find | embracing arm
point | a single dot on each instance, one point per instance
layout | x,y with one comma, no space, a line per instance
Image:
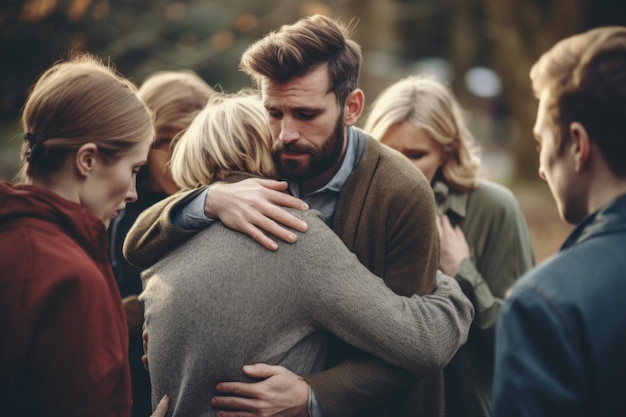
250,206
406,236
154,233
417,333
340,295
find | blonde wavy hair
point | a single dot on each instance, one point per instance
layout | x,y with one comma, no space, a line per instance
75,102
230,134
432,106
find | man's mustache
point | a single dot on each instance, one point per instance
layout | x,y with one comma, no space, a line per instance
290,147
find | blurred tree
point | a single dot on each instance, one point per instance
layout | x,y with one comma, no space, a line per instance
208,36
520,31
377,31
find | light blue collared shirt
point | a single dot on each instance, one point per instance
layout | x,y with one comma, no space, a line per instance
325,199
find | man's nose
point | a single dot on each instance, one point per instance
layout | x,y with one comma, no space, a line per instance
288,130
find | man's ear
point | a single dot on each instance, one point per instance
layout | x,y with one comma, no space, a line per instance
85,158
355,102
580,145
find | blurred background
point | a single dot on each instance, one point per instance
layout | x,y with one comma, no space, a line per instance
482,48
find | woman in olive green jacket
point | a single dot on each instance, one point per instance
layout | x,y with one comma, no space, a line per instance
485,241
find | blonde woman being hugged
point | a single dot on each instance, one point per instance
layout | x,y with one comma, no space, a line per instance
86,134
485,243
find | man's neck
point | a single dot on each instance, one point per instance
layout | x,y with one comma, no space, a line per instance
604,189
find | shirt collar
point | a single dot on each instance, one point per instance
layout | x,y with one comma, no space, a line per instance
340,178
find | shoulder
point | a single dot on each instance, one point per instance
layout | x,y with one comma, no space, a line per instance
494,193
565,278
536,298
495,200
41,241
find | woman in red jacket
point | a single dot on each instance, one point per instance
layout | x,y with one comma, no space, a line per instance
63,351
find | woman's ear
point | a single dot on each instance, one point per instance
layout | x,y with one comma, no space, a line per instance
355,103
580,145
85,158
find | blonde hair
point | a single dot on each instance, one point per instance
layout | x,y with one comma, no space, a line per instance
175,98
230,134
76,102
432,106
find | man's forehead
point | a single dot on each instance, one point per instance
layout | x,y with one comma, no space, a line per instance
315,83
296,98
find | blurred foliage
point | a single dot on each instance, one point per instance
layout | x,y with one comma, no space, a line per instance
143,36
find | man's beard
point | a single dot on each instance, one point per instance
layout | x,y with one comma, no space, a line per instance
319,162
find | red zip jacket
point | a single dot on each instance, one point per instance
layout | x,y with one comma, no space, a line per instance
64,341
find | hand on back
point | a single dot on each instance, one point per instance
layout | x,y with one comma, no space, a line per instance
256,207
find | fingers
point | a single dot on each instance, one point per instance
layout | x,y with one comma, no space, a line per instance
244,399
285,218
239,389
445,227
445,222
271,184
259,224
262,370
280,393
226,413
237,407
257,207
161,408
259,236
438,223
459,233
287,200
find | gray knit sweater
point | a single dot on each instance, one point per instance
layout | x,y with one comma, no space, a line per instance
221,300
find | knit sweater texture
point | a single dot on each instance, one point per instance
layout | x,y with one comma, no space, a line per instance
209,315
386,216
